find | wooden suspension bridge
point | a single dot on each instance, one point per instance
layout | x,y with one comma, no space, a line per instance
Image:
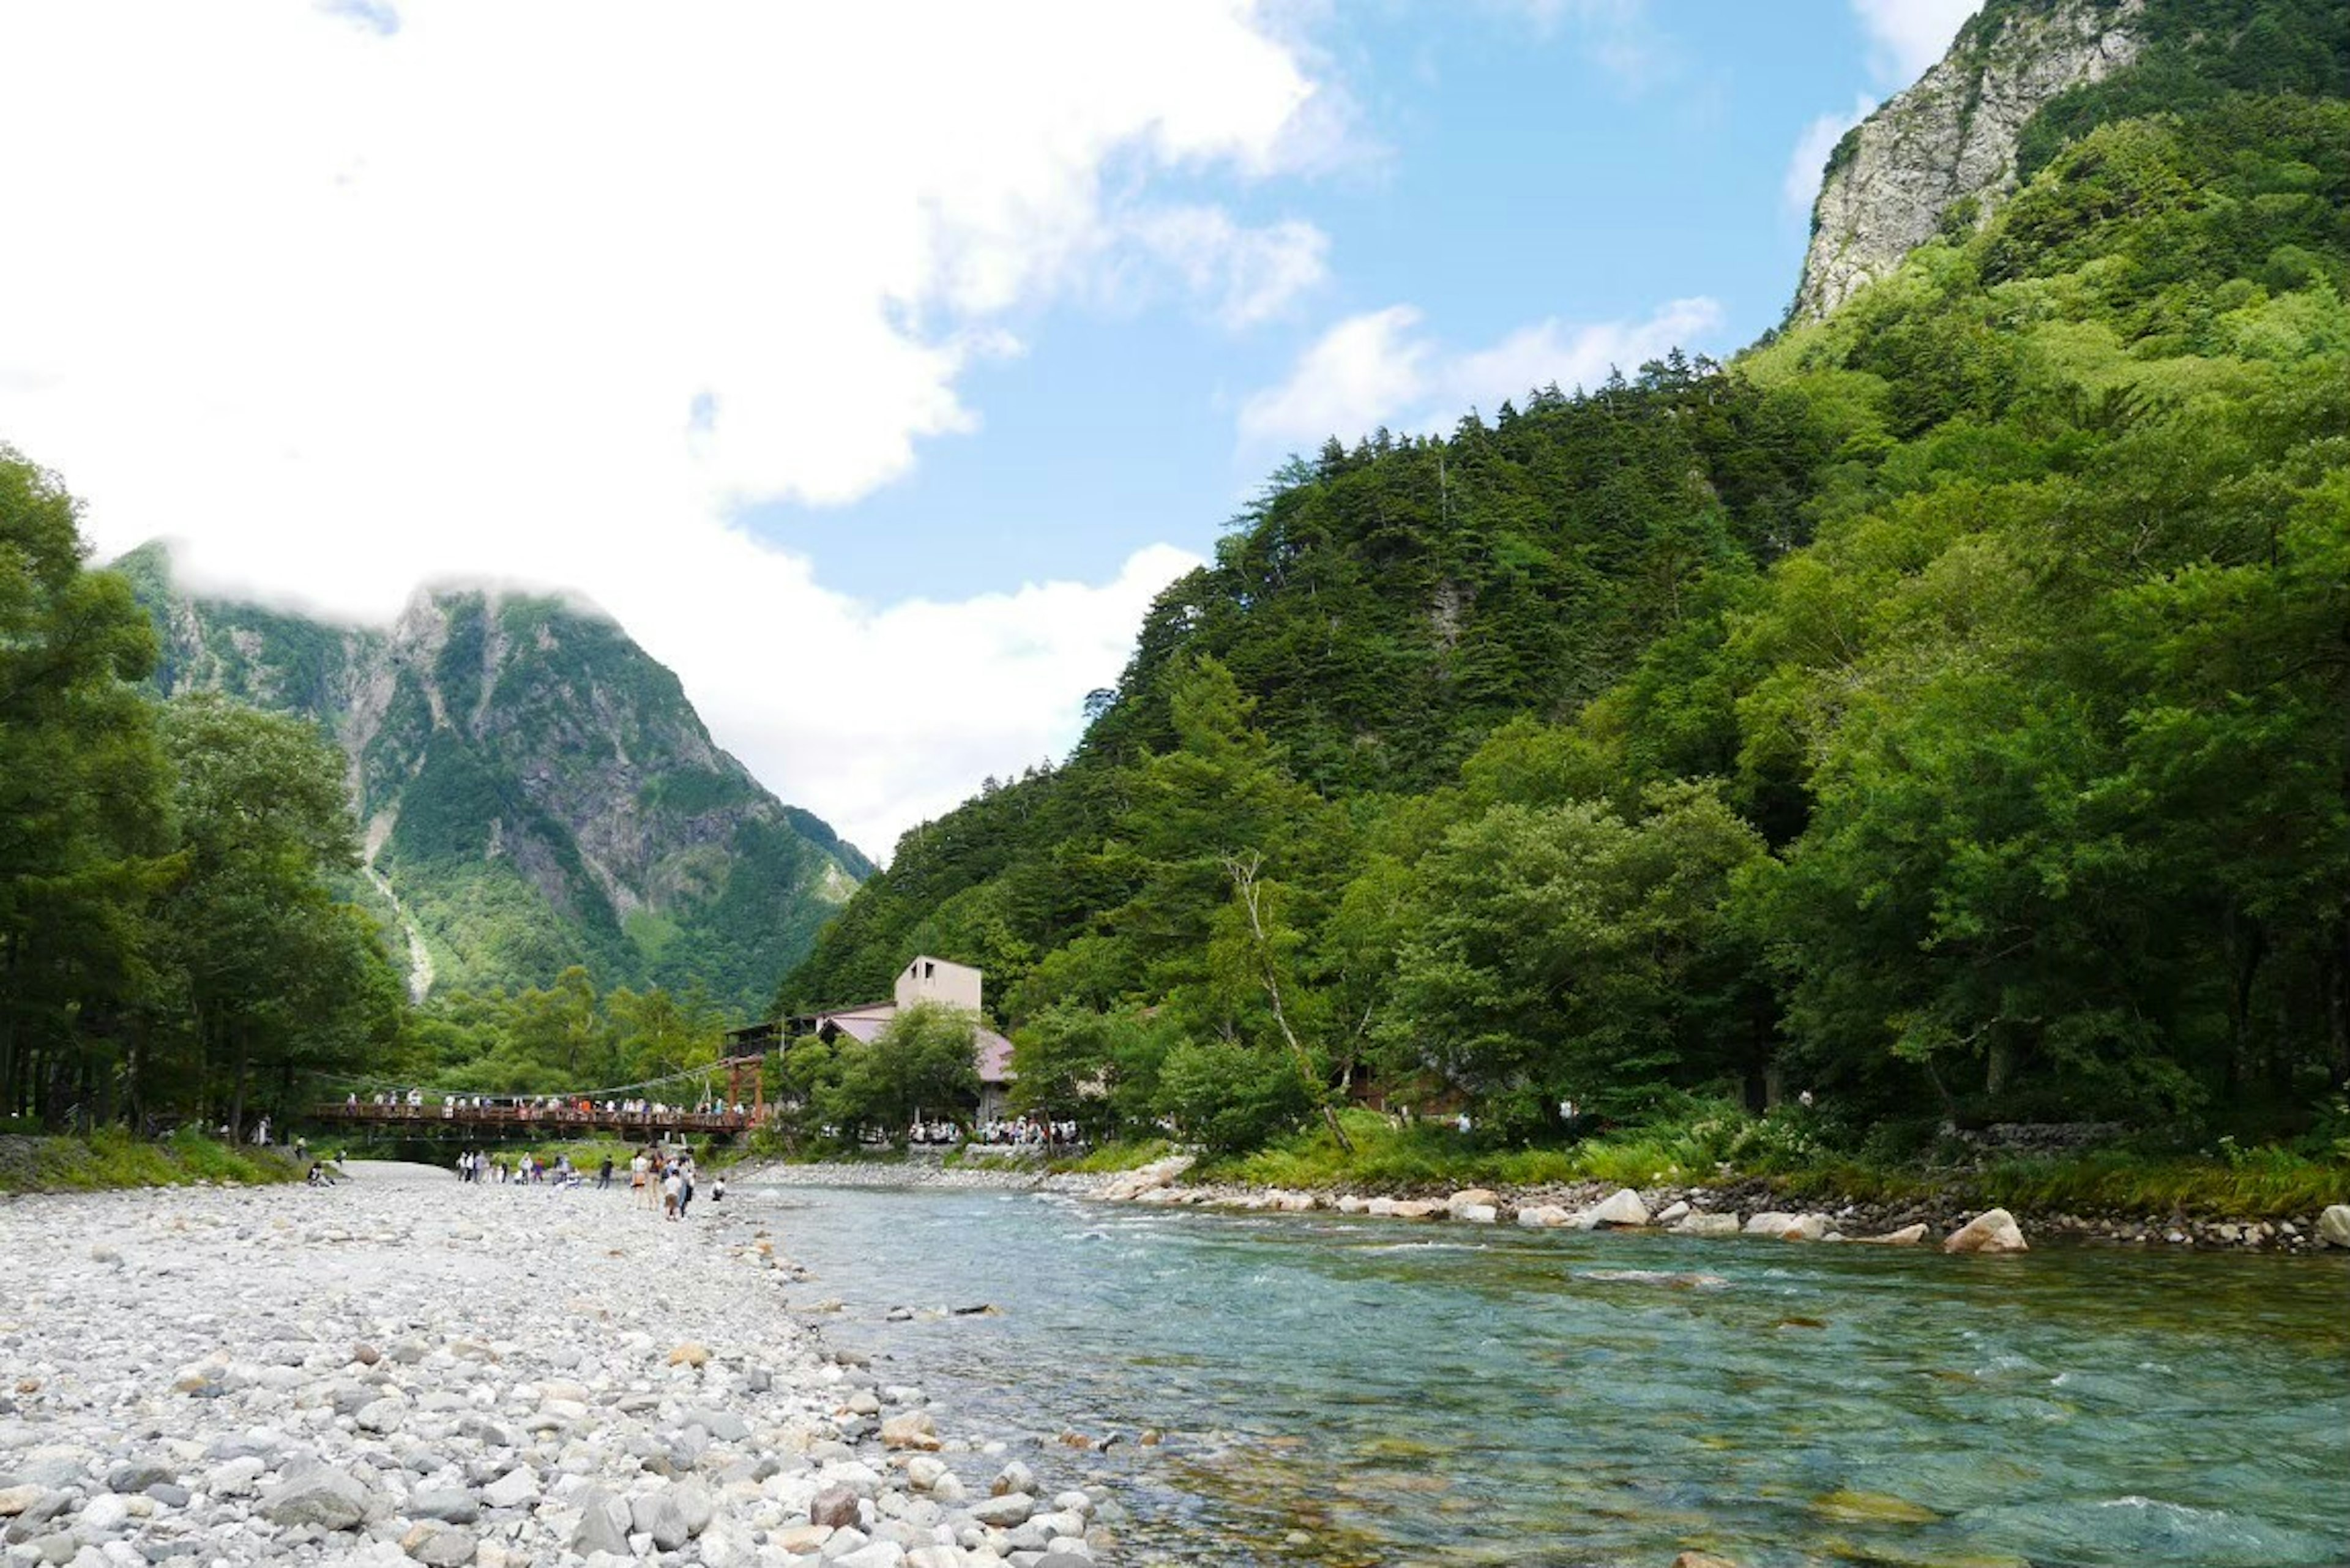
486,1118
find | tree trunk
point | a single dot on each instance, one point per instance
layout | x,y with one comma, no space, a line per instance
1243,876
236,1093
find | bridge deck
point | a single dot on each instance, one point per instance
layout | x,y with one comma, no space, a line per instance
529,1121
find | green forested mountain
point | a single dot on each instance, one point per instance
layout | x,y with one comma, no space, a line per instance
534,792
1942,706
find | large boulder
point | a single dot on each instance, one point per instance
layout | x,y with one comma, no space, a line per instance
1621,1207
1706,1225
1907,1236
2334,1226
1992,1230
1805,1228
1134,1183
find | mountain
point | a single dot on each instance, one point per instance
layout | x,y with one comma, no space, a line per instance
2024,77
1938,707
535,790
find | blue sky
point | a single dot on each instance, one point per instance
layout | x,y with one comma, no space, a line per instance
1514,165
874,365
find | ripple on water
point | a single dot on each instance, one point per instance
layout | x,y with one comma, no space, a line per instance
1413,1397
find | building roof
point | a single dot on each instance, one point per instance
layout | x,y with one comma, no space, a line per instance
992,1053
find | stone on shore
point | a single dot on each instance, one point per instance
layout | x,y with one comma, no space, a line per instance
1677,1209
1471,1198
1769,1222
914,1429
833,1508
1010,1509
1805,1228
2334,1225
1145,1179
604,1522
329,1498
1992,1230
1543,1216
1907,1236
1621,1207
1710,1226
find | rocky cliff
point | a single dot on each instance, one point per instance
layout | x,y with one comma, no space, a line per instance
535,789
1944,151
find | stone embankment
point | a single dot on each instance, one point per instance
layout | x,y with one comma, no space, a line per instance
404,1370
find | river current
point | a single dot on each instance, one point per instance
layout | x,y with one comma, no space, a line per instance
1337,1390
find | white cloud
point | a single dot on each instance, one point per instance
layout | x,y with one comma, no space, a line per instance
349,295
1801,182
1249,275
1907,36
1378,367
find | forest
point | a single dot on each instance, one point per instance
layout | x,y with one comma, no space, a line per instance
1941,710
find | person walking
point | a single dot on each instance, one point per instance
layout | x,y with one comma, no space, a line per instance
604,1174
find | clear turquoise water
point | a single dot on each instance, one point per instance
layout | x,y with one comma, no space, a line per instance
1419,1395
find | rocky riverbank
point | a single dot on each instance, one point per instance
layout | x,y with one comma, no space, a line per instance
405,1370
1728,1208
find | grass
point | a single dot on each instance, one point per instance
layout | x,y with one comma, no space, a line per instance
1712,1144
1109,1159
112,1157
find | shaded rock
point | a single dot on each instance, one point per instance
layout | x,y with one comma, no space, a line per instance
331,1500
1992,1230
512,1489
2334,1225
603,1525
450,1505
657,1515
833,1508
439,1546
1010,1509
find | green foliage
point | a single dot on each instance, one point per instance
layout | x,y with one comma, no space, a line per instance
1939,709
111,1158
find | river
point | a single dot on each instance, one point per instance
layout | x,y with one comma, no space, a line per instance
1351,1391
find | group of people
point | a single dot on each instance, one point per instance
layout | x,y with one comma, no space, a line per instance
528,1107
657,1177
527,1169
1026,1130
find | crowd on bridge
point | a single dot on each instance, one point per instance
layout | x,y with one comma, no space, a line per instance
535,1108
